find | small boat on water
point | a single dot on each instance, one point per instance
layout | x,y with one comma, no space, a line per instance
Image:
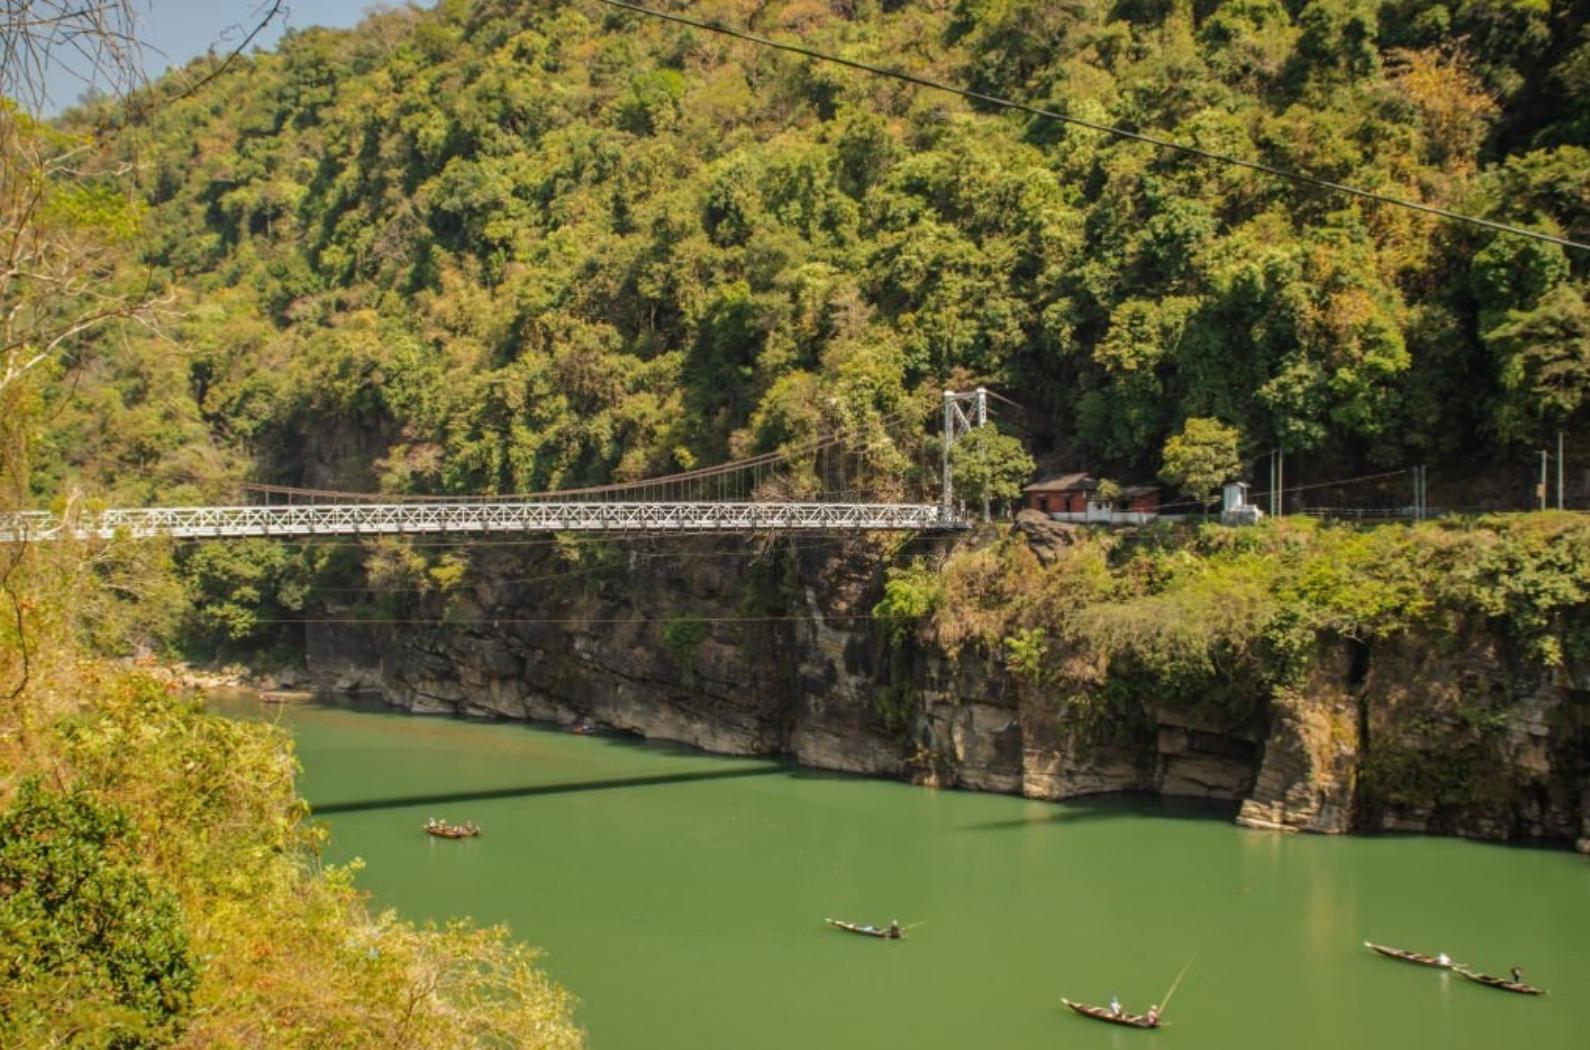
1440,962
582,728
1104,1013
1499,982
888,933
443,830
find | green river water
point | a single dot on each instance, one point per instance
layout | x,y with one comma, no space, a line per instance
681,897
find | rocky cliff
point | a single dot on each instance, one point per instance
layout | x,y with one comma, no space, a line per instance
773,651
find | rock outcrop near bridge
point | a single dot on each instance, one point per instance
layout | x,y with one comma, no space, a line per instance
777,654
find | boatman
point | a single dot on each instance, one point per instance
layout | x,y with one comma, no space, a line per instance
1115,1005
894,930
1444,959
1153,1016
1518,975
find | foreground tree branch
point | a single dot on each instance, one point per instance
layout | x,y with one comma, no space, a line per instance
61,223
93,40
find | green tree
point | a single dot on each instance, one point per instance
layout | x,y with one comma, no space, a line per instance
1202,457
987,466
237,584
1545,363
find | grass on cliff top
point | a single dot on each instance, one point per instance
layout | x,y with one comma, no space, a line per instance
197,912
1194,601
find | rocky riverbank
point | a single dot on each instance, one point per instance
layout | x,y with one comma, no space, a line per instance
1451,730
282,686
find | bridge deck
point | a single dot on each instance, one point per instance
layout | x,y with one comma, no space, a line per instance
477,516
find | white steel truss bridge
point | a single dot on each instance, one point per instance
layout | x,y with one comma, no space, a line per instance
672,504
476,516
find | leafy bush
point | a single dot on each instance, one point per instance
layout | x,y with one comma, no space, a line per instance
87,943
683,636
910,595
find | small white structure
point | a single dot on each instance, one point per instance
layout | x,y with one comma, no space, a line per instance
1234,506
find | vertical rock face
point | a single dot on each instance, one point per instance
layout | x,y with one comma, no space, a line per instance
1466,737
1063,760
661,649
1201,758
776,654
1307,779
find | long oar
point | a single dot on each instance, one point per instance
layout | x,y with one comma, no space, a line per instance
1176,984
914,925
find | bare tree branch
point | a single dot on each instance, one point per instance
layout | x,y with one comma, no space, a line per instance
13,559
264,15
97,44
95,41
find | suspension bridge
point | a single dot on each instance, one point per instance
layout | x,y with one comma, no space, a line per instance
825,485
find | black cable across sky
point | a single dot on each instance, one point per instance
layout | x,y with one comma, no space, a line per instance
1158,143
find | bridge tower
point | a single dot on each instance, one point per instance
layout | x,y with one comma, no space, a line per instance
962,412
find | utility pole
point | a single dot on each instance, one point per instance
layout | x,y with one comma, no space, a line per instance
1272,482
1540,489
948,502
983,417
1559,468
1280,482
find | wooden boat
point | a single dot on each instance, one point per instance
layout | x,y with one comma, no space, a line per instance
1406,956
443,830
865,929
1103,1013
1499,982
582,729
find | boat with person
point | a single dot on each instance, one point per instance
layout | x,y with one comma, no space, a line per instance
443,830
1113,1014
1440,962
891,932
1498,982
1104,1013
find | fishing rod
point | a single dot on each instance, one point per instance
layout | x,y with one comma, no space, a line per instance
1176,984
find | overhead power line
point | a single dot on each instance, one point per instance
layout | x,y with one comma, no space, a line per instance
578,621
1108,129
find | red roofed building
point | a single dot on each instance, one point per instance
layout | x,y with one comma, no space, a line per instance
1075,498
1066,494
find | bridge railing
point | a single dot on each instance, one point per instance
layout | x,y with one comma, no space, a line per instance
477,516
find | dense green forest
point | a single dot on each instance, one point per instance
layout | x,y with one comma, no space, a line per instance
503,247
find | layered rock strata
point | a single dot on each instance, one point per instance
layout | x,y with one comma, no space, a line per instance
774,652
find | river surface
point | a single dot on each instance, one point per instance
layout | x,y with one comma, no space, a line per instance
681,896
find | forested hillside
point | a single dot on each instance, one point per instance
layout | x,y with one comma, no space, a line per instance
514,246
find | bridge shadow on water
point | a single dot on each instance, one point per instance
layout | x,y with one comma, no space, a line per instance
533,790
1114,806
